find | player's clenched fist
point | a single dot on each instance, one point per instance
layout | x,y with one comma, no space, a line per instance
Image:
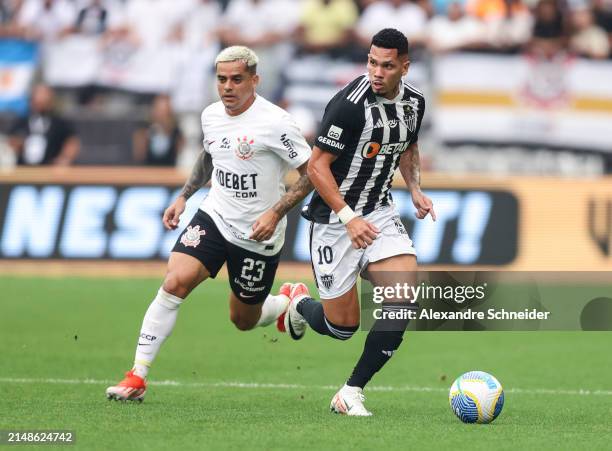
173,213
264,227
361,232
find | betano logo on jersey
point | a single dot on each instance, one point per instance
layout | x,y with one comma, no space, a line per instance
371,149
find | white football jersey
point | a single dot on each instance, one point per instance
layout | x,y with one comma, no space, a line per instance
251,155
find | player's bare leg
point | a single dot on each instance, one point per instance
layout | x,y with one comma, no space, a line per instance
183,274
244,316
399,268
249,316
343,310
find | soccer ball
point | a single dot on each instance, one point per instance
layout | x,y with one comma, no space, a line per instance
476,397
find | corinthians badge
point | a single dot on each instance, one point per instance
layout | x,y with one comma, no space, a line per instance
244,151
191,237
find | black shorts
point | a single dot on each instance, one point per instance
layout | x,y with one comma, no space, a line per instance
251,275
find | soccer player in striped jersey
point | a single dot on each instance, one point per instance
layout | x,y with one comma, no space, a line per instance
369,129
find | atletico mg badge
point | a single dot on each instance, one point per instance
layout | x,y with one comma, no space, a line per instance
244,151
191,237
327,280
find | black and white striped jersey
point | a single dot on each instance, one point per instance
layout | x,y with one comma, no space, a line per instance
368,133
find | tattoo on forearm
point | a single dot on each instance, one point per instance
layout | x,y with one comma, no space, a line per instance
298,191
200,175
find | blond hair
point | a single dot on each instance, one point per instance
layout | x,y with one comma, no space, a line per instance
238,53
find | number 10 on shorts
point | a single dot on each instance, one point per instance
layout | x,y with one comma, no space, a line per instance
325,254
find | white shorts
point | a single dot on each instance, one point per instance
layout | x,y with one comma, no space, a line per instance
337,264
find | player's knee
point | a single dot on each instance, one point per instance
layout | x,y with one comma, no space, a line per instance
242,322
174,285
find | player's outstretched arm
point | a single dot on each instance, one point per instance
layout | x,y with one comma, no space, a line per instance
266,224
410,168
361,232
200,175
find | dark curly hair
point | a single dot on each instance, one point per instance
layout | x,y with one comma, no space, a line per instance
390,38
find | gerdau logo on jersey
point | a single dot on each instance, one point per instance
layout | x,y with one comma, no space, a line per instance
371,149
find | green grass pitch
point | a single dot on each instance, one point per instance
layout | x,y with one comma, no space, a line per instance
63,340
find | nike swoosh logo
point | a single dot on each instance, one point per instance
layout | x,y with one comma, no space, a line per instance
242,295
144,344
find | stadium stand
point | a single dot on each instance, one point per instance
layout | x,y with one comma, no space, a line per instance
536,72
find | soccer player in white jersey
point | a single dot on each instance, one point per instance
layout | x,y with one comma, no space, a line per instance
249,145
369,129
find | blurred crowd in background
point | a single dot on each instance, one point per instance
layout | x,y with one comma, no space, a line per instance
102,123
342,28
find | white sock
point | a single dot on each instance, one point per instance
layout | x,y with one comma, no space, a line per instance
156,327
271,309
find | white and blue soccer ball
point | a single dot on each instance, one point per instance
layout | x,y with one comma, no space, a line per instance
476,397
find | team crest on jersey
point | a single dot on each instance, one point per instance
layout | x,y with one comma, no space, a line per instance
410,113
327,280
244,151
191,237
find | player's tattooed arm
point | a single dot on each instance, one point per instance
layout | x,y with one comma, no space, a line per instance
296,193
200,175
264,227
410,168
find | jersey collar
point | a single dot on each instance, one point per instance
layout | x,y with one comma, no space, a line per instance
245,112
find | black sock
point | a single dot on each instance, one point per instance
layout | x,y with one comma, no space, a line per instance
312,311
382,341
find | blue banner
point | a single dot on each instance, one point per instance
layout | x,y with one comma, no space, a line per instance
18,61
